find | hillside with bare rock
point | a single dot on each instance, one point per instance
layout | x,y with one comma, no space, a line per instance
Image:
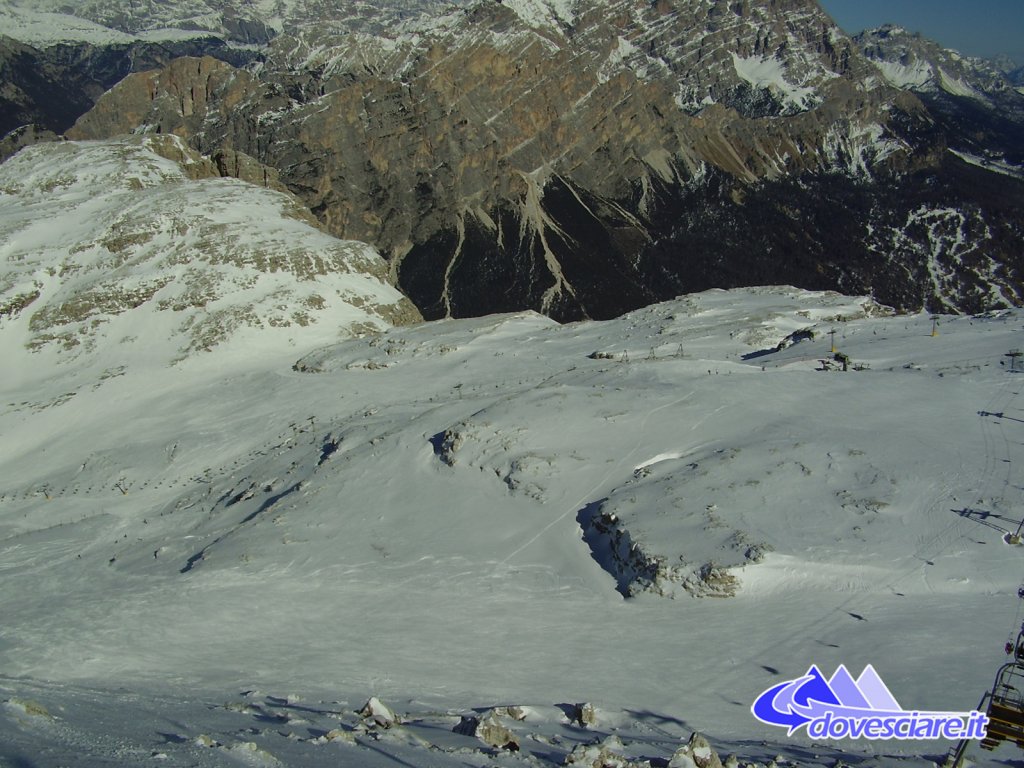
581,158
112,246
584,158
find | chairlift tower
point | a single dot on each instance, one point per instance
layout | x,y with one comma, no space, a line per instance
1014,355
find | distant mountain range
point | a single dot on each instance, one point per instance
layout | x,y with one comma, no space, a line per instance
576,157
979,103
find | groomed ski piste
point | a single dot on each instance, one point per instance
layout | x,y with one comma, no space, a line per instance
519,543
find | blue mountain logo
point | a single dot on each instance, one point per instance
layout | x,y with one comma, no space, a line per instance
843,707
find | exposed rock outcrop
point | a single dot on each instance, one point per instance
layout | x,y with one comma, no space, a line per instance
22,137
696,753
490,730
609,753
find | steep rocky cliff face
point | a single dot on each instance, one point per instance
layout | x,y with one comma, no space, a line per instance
52,86
584,158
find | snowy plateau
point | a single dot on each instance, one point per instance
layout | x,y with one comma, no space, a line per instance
493,541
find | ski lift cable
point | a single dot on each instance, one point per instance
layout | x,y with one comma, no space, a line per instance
926,552
1001,402
1016,627
1010,492
941,542
993,433
996,406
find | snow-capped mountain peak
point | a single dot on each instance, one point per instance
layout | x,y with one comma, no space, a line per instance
909,60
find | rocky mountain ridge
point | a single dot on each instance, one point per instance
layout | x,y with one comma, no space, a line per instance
584,158
979,103
912,61
50,86
474,131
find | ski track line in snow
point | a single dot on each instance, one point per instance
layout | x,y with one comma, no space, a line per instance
579,503
823,623
1000,403
941,541
997,447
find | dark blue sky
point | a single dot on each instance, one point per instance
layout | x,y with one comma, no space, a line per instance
973,27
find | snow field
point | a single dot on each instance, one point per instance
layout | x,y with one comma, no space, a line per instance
403,516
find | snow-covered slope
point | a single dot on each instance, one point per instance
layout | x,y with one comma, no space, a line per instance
505,511
112,255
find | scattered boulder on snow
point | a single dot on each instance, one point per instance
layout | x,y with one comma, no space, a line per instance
28,707
489,730
252,753
376,713
335,735
606,754
696,753
447,443
711,580
584,714
682,759
513,711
